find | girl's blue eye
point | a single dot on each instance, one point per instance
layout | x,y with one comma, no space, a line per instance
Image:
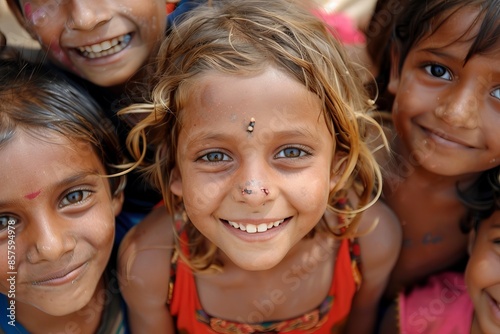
215,157
496,93
75,197
438,71
291,152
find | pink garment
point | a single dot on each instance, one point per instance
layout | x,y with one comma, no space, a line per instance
345,28
442,306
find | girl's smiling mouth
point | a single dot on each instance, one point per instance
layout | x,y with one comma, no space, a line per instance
105,48
62,276
253,228
446,139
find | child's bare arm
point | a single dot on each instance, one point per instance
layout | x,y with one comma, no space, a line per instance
144,266
379,252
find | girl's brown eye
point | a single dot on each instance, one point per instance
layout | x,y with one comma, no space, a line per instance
75,197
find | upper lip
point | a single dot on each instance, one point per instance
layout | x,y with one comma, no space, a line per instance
55,274
254,221
95,41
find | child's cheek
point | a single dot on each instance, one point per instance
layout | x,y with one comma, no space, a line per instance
42,15
58,54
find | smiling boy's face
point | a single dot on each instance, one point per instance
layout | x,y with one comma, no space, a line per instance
57,219
446,111
103,41
483,275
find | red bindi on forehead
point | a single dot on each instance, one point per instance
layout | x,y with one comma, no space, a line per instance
33,195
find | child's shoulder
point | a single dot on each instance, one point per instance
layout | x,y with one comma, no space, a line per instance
379,229
380,239
144,259
154,230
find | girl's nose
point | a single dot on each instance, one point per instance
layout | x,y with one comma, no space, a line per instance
87,15
255,193
49,239
461,108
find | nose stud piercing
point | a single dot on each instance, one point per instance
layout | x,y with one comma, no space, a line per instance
249,191
251,125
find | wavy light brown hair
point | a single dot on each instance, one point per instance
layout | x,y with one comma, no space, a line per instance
243,37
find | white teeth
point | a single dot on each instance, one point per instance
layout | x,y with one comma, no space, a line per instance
251,228
262,228
105,48
96,48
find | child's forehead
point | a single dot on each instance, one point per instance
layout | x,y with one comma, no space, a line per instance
455,25
470,24
271,102
38,137
30,159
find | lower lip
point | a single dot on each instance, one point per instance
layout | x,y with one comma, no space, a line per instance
257,236
443,141
70,278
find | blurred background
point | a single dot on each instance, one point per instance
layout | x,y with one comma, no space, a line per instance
16,36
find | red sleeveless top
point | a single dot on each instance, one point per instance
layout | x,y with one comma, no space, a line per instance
329,317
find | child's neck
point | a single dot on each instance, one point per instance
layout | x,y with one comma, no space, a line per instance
83,321
245,291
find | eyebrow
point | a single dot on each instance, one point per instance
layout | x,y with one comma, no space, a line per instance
78,177
439,53
300,131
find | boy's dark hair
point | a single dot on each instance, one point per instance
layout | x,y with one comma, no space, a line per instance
421,18
38,98
482,198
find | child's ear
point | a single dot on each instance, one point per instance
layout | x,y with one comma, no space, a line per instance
176,182
392,87
117,203
338,169
472,239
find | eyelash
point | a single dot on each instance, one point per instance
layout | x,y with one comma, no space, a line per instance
428,69
88,193
303,152
204,157
496,96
